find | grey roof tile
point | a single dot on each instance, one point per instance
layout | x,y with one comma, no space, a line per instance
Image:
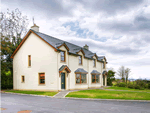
73,49
80,70
95,72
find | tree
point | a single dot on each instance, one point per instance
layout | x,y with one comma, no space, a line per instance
121,73
110,77
127,73
13,27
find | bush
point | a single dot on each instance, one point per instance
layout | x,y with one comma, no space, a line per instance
122,84
131,86
148,85
137,86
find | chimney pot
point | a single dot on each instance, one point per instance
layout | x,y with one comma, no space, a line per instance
35,28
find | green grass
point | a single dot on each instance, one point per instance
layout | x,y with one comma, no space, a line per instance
125,88
47,93
105,94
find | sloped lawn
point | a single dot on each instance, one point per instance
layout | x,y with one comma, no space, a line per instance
47,93
105,94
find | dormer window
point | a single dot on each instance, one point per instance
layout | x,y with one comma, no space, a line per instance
80,60
94,63
62,53
103,65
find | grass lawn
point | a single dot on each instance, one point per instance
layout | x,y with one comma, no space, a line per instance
47,93
125,88
105,94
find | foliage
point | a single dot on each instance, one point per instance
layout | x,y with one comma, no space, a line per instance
110,77
131,86
124,73
148,85
13,26
127,73
121,72
122,84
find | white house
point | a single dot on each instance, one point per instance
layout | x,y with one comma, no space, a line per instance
42,62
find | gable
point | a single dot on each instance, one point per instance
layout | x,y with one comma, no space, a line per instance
25,38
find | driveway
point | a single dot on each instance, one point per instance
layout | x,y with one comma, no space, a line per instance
14,103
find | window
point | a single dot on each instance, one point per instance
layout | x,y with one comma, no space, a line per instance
80,60
95,78
41,78
80,78
22,79
104,65
62,56
94,63
29,60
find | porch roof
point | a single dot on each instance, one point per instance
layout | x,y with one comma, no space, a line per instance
64,67
104,73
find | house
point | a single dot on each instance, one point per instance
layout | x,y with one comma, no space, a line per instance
42,62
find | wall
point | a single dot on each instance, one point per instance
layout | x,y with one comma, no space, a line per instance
43,59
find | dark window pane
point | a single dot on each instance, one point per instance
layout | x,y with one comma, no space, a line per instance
93,80
93,76
83,76
77,80
62,55
80,59
97,80
83,80
77,75
97,76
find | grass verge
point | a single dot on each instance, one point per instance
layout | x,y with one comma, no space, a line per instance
105,94
125,88
47,93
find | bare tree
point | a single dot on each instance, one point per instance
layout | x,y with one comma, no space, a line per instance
127,73
121,72
13,25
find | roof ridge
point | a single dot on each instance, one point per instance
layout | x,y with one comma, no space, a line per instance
57,38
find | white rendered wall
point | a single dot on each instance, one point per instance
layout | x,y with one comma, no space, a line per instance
43,59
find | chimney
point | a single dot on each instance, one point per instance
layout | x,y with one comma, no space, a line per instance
35,27
86,47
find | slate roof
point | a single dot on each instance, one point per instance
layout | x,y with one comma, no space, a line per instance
95,72
80,70
73,49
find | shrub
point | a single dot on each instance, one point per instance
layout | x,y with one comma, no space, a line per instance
148,85
137,86
130,86
122,84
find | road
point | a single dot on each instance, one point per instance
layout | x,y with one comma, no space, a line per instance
14,103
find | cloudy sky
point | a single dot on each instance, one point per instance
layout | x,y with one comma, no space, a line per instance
118,29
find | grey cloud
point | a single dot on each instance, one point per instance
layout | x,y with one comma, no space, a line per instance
109,6
47,8
118,50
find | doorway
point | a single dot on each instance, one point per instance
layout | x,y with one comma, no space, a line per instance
62,80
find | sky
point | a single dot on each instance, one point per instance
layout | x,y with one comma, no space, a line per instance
116,29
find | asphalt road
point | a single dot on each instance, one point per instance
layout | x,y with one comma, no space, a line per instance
14,103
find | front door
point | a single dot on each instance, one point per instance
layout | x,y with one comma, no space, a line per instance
103,80
62,80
